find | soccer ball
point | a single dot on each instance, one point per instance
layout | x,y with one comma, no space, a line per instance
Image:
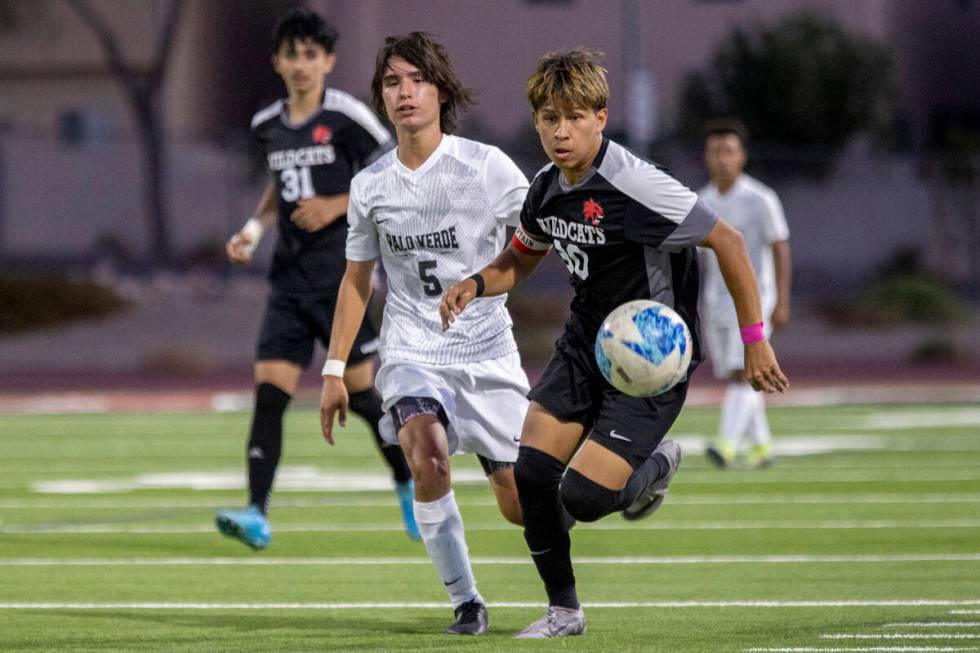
643,348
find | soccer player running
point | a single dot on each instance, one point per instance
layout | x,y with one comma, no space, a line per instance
626,231
314,142
434,209
755,211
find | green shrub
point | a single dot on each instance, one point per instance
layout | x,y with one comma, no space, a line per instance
33,302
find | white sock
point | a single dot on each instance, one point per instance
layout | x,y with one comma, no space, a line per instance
736,413
441,526
758,432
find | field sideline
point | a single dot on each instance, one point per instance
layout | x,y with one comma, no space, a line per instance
864,537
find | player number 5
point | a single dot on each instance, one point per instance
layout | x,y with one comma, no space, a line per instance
430,284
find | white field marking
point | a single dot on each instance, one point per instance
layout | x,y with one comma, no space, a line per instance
516,560
900,636
441,605
871,649
964,611
308,478
500,526
934,624
932,418
89,502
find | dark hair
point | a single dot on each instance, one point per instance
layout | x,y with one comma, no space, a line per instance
301,25
572,80
431,58
725,126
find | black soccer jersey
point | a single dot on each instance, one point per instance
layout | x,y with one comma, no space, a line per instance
318,157
626,231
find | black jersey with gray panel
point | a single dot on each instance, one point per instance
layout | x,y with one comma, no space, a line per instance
318,157
627,231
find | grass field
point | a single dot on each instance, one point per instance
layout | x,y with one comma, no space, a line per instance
864,537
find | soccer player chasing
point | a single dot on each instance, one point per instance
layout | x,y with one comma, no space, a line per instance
626,231
434,209
754,209
314,141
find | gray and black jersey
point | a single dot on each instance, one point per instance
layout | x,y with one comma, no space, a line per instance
626,231
318,157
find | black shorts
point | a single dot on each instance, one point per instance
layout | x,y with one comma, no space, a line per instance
573,389
292,323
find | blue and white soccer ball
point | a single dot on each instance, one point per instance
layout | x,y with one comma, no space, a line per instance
643,348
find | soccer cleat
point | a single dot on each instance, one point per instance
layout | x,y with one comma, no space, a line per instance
720,453
651,498
406,497
760,456
471,619
249,526
556,622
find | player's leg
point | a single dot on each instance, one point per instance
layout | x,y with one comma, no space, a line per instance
285,347
421,426
760,451
627,463
736,406
501,478
366,402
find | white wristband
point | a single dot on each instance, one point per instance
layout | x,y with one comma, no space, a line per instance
253,229
334,367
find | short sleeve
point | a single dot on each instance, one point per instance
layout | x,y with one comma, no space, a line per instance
776,228
366,145
506,186
362,235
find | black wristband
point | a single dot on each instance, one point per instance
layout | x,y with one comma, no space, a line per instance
480,285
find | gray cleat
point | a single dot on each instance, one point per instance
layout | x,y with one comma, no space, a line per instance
471,619
652,497
557,622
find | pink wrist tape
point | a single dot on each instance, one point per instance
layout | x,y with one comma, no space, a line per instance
752,333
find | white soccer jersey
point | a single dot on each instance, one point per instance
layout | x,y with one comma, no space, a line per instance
755,210
432,227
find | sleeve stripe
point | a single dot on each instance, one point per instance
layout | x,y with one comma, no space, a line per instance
357,111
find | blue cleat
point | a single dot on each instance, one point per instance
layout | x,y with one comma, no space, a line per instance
249,526
406,497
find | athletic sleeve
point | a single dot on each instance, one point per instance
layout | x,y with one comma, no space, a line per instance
775,226
362,235
367,145
664,213
530,238
506,186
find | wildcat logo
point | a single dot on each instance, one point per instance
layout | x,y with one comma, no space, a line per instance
592,212
322,134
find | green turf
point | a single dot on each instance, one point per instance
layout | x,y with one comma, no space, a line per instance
886,516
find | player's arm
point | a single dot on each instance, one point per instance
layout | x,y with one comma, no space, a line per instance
761,368
784,274
241,246
352,301
511,266
315,213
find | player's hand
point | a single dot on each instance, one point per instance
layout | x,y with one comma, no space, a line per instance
455,300
240,247
333,401
780,316
315,213
762,369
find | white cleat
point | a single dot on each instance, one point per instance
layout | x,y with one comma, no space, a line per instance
557,622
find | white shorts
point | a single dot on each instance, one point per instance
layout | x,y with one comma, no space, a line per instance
485,401
724,345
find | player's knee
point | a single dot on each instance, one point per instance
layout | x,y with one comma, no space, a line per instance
586,500
270,400
536,471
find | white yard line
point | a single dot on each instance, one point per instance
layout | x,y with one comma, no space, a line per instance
900,636
605,526
97,502
441,605
934,624
516,560
871,649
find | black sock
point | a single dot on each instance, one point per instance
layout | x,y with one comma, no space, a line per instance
538,476
367,404
655,467
265,442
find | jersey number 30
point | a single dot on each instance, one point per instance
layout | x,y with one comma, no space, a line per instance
576,260
296,183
